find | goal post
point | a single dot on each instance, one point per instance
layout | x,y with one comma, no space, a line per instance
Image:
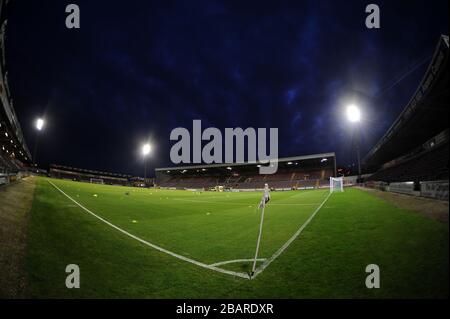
336,184
97,181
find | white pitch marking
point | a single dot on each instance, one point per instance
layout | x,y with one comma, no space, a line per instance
192,261
208,202
242,204
290,240
293,204
235,261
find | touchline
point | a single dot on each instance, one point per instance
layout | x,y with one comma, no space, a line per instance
212,151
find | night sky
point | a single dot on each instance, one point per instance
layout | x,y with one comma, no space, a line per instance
137,69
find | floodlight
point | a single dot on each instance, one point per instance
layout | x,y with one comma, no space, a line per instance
39,124
146,149
354,116
353,113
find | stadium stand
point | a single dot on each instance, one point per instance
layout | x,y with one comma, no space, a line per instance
298,172
14,153
426,165
415,148
89,176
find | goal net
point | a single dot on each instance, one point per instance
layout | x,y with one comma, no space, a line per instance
96,181
336,184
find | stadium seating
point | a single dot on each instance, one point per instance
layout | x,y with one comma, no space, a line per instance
8,164
426,166
415,147
285,179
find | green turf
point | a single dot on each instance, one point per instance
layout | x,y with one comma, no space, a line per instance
353,229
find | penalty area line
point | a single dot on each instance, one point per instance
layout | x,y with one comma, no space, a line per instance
163,250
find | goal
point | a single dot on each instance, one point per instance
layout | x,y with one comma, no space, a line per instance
96,181
336,184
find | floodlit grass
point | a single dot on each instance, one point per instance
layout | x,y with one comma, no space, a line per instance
328,260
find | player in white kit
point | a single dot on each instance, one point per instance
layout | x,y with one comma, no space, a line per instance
266,196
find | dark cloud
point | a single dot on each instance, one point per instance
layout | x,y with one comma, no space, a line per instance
138,69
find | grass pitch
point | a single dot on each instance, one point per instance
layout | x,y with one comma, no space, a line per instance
328,260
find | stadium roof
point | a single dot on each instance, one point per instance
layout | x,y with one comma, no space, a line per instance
425,115
224,165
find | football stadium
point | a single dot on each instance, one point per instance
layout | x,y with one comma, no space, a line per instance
211,231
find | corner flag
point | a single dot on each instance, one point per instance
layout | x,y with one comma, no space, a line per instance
264,200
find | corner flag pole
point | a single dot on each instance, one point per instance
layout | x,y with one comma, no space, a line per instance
259,236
